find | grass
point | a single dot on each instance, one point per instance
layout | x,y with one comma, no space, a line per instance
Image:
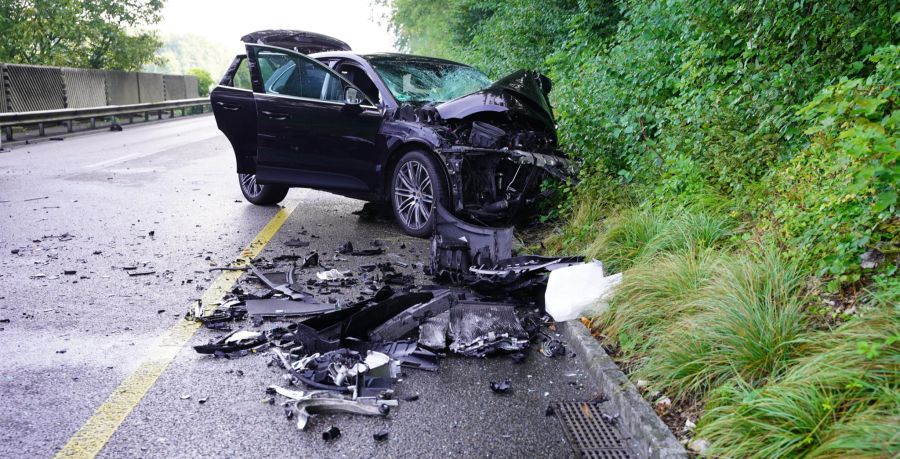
654,295
748,324
838,400
640,235
702,317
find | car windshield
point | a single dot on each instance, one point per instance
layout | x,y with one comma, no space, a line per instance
422,80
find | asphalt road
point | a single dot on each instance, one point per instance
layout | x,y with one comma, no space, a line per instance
164,197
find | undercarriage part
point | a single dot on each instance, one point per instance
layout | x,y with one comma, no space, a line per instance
457,245
408,320
478,329
590,432
325,402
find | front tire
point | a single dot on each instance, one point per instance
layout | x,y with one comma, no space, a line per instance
417,184
261,195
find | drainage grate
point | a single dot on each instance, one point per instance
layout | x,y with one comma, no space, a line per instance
589,435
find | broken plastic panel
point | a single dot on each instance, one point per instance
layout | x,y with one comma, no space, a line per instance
274,307
410,355
280,282
408,320
457,245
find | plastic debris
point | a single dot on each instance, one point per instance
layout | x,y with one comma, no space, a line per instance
573,289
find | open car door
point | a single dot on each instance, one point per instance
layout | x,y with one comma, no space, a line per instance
314,128
235,110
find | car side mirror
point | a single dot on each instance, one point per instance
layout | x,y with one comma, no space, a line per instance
352,96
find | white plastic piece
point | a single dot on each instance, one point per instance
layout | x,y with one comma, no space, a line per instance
331,274
575,289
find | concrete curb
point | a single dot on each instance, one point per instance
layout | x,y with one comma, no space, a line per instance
636,418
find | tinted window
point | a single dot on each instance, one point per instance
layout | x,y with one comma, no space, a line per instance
293,75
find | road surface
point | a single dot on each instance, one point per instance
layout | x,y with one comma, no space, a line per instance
164,196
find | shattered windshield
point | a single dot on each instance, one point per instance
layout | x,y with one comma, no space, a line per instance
422,80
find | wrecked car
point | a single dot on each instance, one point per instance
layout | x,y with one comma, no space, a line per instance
302,110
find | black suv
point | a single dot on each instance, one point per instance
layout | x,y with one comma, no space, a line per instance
301,110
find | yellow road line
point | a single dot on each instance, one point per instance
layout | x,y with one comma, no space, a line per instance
99,428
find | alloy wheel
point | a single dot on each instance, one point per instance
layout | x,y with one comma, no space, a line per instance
249,185
413,194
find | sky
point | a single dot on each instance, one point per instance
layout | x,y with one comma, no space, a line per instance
356,22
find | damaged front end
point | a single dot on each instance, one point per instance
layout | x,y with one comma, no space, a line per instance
499,145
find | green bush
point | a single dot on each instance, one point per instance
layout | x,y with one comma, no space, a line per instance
837,198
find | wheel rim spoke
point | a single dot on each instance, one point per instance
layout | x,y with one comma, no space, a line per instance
414,194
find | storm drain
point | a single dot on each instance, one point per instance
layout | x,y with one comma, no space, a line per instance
589,435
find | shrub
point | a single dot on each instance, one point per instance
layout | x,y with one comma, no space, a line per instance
748,324
655,295
841,399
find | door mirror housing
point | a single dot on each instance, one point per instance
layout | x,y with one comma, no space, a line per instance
352,96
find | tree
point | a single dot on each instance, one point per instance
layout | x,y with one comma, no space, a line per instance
100,34
204,80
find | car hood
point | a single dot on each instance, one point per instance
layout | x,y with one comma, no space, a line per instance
523,92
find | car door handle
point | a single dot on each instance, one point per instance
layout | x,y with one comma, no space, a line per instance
275,115
229,107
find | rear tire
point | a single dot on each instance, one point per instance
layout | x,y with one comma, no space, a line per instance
261,195
417,184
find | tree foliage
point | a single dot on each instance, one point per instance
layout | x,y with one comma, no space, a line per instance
204,80
100,34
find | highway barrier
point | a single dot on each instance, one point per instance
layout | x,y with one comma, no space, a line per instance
41,96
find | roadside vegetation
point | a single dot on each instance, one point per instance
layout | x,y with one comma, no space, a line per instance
740,167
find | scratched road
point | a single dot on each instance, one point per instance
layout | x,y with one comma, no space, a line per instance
164,197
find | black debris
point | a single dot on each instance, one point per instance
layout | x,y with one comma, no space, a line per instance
14,251
70,272
411,398
346,248
552,347
331,434
381,435
366,252
296,243
501,387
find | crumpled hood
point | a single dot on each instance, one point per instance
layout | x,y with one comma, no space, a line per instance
523,92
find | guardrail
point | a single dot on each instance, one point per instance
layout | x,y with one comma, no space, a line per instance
67,116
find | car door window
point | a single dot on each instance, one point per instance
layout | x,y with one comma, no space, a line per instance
298,76
241,77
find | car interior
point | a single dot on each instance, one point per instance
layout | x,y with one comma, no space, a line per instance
356,75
